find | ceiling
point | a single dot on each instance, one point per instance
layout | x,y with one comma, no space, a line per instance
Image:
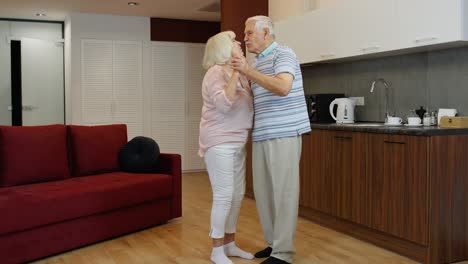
58,10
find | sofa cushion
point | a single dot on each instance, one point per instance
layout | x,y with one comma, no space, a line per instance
33,154
95,149
29,206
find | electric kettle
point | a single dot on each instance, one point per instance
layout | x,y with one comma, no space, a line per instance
344,111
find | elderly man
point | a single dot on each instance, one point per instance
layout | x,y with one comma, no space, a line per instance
280,119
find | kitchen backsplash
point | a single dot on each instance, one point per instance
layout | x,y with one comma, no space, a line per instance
436,79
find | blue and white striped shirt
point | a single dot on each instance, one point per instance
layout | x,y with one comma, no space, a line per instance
279,116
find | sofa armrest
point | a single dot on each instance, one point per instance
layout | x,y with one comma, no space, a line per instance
171,164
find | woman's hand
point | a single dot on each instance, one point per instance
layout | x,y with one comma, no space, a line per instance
230,89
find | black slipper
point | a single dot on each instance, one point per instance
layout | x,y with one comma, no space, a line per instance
273,260
264,253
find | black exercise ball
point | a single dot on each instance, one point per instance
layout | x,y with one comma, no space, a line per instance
139,155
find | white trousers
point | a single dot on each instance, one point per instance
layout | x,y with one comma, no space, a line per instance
275,164
226,168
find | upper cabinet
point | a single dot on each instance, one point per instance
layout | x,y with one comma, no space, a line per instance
371,27
329,41
315,36
428,22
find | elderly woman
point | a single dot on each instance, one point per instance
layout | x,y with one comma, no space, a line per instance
224,127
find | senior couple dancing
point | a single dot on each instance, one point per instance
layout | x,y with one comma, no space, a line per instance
266,98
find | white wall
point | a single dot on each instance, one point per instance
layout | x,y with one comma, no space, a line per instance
105,27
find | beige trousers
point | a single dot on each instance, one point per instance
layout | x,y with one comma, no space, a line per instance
275,164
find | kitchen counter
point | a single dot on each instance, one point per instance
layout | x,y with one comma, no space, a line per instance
401,188
397,130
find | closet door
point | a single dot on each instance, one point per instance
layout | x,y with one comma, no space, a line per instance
96,81
127,106
112,84
168,97
195,74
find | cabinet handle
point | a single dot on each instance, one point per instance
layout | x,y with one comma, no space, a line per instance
394,142
28,107
343,137
328,55
419,40
367,49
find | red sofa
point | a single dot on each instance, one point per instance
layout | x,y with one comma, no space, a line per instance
61,188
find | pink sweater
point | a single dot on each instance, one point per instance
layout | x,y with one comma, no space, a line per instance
223,120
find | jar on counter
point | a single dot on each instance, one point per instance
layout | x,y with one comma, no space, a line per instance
433,118
427,120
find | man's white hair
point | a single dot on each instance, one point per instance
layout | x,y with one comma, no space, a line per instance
262,22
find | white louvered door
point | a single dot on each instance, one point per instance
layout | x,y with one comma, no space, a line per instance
195,75
96,80
168,97
112,84
127,104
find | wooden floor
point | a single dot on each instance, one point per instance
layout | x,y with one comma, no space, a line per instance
186,240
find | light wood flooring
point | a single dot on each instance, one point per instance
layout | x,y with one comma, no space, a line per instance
185,240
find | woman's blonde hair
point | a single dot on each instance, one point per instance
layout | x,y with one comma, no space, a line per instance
218,49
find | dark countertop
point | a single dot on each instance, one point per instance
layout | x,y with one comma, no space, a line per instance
399,130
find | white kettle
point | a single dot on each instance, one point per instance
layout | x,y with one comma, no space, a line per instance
345,110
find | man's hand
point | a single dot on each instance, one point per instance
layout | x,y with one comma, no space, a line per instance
280,84
240,64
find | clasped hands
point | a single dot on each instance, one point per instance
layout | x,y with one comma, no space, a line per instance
239,63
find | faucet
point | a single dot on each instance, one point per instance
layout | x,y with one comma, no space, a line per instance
387,87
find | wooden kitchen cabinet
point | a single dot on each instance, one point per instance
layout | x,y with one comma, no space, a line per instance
304,171
316,185
375,180
347,168
398,186
406,193
332,173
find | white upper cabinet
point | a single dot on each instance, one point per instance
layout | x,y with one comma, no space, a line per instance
371,24
427,22
316,35
329,41
287,34
364,27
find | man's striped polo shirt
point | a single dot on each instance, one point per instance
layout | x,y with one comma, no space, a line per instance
279,116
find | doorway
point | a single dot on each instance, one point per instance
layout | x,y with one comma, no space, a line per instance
32,69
